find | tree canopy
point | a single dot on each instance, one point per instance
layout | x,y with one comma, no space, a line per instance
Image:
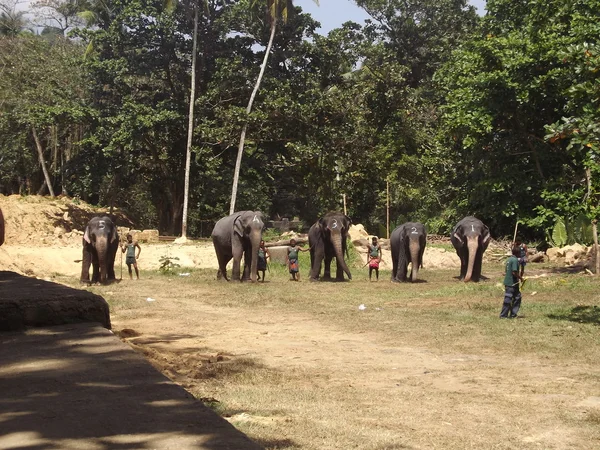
495,116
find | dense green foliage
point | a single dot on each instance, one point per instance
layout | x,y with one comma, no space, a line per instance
495,116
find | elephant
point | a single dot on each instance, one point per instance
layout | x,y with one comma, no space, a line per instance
100,244
408,244
1,228
236,235
327,239
470,238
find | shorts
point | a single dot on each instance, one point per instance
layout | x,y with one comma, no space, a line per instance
522,261
130,260
294,266
374,263
261,264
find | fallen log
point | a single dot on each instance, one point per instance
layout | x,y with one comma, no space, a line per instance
299,241
537,257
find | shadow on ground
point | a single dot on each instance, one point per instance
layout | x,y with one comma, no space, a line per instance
77,386
580,314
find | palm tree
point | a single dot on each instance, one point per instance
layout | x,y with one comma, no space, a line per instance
276,10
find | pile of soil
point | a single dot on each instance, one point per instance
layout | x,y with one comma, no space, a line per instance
40,221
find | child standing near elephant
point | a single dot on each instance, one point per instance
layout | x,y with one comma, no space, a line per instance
292,259
130,257
374,258
263,257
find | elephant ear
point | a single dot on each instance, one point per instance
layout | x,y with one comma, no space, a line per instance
114,235
86,235
322,224
486,236
238,226
347,223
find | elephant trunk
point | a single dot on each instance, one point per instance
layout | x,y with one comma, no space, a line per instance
255,238
413,248
102,251
336,240
472,245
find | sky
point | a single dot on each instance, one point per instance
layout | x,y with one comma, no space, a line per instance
333,13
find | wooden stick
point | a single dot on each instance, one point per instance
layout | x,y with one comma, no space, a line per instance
515,235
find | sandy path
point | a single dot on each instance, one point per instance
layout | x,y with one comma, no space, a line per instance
454,400
65,259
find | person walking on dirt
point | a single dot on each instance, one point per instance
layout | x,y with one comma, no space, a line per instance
130,257
375,254
512,291
522,255
261,264
292,259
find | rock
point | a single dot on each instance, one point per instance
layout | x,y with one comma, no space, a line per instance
59,232
362,242
151,236
180,240
357,232
554,253
290,235
278,253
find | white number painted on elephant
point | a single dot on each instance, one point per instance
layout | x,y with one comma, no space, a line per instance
472,227
334,223
255,219
414,230
101,224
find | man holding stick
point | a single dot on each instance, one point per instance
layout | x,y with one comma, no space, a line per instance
512,291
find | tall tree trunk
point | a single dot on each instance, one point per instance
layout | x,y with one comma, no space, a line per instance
238,161
188,153
38,145
588,176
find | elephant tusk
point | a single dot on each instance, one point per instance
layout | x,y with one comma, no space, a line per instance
458,237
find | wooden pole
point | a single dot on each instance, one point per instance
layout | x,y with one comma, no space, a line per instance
515,234
388,208
344,197
588,176
596,249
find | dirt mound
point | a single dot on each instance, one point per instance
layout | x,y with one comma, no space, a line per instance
38,221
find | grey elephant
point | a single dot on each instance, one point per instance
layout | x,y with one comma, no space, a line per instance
100,244
235,236
1,228
470,238
408,244
327,239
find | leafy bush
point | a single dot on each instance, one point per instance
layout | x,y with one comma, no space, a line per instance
167,266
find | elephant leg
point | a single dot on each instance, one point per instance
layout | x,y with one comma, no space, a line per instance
394,265
247,264
223,260
238,252
95,268
315,268
477,266
327,268
86,261
339,271
111,263
463,264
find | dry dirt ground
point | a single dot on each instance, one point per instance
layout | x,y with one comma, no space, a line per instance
299,365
